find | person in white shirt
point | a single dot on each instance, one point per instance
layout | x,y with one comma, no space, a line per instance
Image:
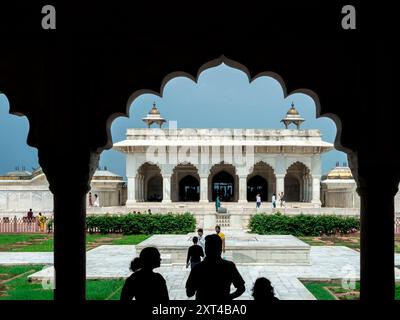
201,242
96,201
258,201
274,200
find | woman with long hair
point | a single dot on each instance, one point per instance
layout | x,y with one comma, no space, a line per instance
144,284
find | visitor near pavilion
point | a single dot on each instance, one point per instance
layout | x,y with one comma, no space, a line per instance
195,253
217,203
41,222
263,291
222,236
90,200
30,214
145,284
200,236
258,201
274,201
96,201
282,199
212,278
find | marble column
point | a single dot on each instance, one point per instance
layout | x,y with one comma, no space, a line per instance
131,200
280,183
69,217
316,187
166,188
242,189
141,188
204,188
309,189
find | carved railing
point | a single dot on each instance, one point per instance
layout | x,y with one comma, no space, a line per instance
20,225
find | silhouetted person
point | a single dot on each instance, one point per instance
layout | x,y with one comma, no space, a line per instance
263,291
211,279
144,284
195,253
30,214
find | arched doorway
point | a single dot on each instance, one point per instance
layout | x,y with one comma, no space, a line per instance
223,185
154,189
189,189
297,182
185,183
261,180
257,185
149,183
292,188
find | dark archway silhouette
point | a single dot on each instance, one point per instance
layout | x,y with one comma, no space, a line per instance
102,75
189,189
154,188
292,188
223,185
257,185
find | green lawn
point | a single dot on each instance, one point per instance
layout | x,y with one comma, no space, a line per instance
20,289
351,241
328,291
44,242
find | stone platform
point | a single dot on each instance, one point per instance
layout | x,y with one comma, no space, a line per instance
241,248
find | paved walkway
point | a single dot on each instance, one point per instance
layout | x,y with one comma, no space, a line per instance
24,258
112,261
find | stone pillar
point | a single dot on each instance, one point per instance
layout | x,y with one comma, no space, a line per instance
308,189
132,182
280,183
377,190
377,239
141,188
204,188
69,217
166,188
242,189
305,187
316,190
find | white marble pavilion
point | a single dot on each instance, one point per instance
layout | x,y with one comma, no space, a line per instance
196,165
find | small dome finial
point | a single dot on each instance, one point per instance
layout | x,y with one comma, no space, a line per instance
292,116
153,117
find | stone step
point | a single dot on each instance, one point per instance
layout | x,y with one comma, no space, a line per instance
166,260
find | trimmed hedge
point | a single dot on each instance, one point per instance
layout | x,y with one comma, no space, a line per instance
142,223
303,225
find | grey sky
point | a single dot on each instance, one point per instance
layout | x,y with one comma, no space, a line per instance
222,98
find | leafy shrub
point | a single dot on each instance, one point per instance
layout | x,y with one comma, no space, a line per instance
303,225
142,223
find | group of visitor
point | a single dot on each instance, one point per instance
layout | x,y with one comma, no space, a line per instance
196,252
274,200
40,219
96,202
208,268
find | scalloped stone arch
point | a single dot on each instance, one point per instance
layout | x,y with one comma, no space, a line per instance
185,163
261,162
294,161
177,177
237,65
